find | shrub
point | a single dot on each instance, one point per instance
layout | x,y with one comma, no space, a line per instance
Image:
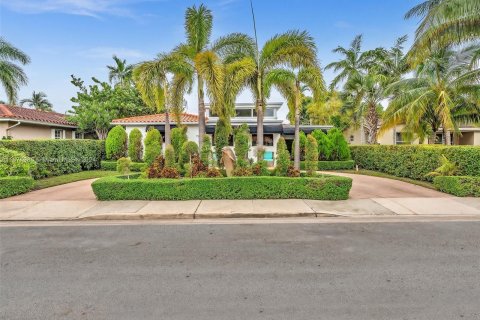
332,165
178,137
189,149
260,168
170,173
116,143
213,173
206,152
10,186
311,155
135,148
153,146
283,158
242,172
292,172
324,144
197,166
241,142
155,169
222,133
447,168
57,157
320,188
415,161
112,166
303,143
340,148
15,163
170,157
123,165
458,186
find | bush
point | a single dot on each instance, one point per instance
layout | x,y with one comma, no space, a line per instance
189,149
170,173
116,143
311,155
112,166
340,150
135,147
415,161
155,169
153,146
321,188
241,142
458,186
57,157
292,172
332,165
178,137
206,152
10,186
222,133
213,173
283,158
123,166
170,157
303,143
197,166
324,144
242,172
15,163
260,169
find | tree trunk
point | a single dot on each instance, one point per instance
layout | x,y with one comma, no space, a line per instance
259,129
446,137
371,124
296,157
102,133
201,112
167,129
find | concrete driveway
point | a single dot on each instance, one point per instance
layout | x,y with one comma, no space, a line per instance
80,190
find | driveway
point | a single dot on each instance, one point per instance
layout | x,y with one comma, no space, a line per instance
80,190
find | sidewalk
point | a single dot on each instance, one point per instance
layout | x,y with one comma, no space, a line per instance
24,210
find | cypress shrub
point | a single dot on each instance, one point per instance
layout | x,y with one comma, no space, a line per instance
241,141
324,144
170,157
189,148
135,148
178,137
116,143
222,133
206,152
283,158
303,143
153,145
340,148
311,155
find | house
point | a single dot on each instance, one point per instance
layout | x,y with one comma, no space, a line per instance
24,123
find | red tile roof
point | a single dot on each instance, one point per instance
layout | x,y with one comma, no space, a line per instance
20,113
158,118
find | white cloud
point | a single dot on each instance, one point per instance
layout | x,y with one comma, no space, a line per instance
108,52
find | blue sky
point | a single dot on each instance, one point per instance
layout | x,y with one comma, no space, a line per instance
65,37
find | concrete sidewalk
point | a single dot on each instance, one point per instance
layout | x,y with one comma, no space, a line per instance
22,210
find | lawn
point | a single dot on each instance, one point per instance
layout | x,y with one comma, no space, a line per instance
72,177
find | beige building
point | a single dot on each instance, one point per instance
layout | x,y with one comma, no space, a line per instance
24,123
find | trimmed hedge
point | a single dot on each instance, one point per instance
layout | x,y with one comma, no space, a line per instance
458,186
332,165
321,188
10,186
112,166
57,157
415,161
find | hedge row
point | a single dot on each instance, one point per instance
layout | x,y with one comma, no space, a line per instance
321,188
10,186
332,165
57,157
458,186
415,161
112,166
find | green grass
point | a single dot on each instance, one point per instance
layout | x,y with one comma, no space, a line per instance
389,176
72,177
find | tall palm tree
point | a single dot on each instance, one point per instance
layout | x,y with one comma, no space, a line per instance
11,74
39,101
121,72
444,23
445,92
292,83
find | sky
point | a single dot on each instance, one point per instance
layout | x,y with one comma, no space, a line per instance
79,37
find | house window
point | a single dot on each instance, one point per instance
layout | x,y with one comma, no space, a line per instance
267,140
78,135
245,113
269,113
352,138
58,134
399,138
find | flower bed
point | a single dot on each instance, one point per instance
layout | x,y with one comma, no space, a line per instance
320,188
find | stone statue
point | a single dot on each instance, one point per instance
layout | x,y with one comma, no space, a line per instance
228,160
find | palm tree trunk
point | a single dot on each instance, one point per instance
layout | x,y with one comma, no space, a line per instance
201,111
167,129
259,129
446,137
371,124
296,157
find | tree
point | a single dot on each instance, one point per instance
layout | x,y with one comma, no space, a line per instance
11,74
206,151
116,143
241,142
170,157
324,144
38,101
121,72
179,137
282,161
189,149
323,111
135,147
153,146
222,134
340,149
311,155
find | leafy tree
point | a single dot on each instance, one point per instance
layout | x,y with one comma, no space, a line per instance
179,137
38,101
241,142
189,149
206,151
324,144
222,134
135,147
340,148
121,72
123,166
11,74
116,143
170,157
283,158
311,155
153,146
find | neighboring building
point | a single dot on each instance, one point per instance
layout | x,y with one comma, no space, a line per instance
24,123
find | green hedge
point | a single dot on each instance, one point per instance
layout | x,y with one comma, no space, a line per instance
112,166
332,165
57,157
458,186
321,188
415,161
10,186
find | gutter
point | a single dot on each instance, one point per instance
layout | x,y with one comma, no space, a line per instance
49,124
11,127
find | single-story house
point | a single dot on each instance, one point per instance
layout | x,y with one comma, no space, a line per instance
24,123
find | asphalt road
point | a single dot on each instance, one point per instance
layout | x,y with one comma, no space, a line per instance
260,271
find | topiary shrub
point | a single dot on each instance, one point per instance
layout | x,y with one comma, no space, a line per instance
189,149
260,168
283,158
123,166
153,146
241,142
178,137
222,133
311,155
324,144
155,169
206,152
170,157
340,148
14,163
135,147
116,143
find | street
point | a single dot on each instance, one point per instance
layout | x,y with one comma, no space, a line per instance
401,270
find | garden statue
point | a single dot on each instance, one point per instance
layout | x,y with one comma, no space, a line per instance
228,160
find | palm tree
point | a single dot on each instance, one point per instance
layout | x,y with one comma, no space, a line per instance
443,93
291,84
11,75
444,23
39,101
121,72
